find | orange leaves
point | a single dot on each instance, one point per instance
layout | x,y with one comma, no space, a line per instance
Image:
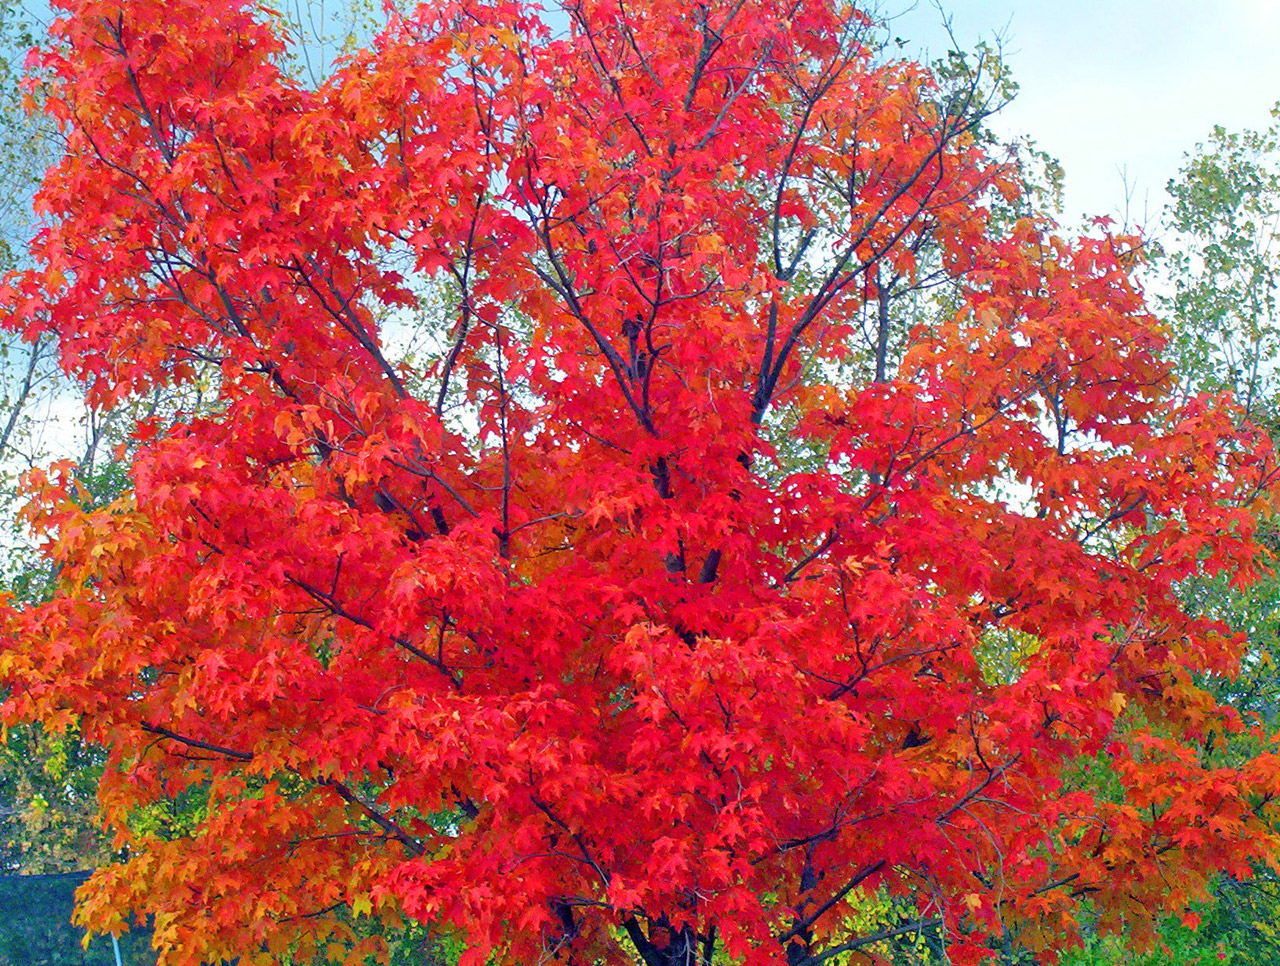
579,553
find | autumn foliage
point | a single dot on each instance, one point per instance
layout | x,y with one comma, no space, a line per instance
589,552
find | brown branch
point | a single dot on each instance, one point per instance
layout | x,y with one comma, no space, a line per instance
337,609
164,732
801,925
384,823
869,940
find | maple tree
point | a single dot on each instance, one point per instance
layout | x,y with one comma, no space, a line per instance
528,632
47,822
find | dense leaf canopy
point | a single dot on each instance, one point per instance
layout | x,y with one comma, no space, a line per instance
585,555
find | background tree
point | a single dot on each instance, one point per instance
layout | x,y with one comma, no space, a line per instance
533,641
1222,261
48,807
1221,266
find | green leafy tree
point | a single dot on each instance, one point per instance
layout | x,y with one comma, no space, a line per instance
1223,264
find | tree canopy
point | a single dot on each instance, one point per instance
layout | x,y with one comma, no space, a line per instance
582,557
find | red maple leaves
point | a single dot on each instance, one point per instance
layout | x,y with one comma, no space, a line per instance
676,595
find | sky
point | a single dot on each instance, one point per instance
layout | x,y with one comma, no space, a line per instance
1118,90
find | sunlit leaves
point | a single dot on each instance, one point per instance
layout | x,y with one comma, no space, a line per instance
641,611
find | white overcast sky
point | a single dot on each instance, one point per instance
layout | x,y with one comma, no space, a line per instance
1119,85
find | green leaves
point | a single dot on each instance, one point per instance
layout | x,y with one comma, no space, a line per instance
1222,263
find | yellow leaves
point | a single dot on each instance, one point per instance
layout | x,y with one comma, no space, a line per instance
708,244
